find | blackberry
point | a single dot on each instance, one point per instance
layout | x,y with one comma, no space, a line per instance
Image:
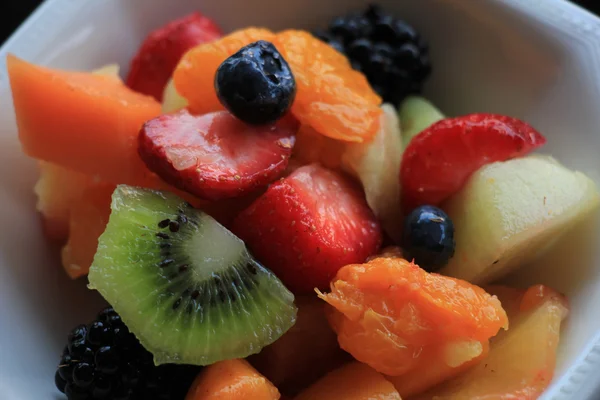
103,360
389,52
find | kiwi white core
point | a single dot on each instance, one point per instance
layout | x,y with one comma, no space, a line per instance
209,247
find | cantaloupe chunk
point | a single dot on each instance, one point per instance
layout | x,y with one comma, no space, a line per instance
58,188
231,379
305,353
354,381
88,217
82,121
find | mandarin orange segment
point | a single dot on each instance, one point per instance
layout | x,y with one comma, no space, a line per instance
195,74
388,310
333,98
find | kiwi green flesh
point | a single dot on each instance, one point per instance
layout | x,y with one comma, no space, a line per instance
416,114
185,285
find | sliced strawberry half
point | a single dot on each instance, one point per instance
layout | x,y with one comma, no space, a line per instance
216,156
439,160
309,225
162,49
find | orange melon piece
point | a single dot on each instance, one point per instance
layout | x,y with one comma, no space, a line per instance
87,220
354,381
231,379
305,353
82,121
391,314
521,361
57,189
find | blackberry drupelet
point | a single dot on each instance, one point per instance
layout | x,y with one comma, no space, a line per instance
103,360
391,54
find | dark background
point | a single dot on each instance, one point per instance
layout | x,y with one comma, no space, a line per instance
13,12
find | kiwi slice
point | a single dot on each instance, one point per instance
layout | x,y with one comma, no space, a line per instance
183,284
416,114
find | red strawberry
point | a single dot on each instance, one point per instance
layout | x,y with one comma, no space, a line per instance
216,156
162,49
439,160
309,225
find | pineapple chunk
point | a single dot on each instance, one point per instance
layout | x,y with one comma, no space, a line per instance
521,361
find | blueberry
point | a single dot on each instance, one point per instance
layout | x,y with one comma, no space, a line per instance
429,237
256,84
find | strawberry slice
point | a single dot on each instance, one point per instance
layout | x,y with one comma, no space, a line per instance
162,49
216,156
439,160
309,225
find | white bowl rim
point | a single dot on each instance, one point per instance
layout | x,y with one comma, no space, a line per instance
581,380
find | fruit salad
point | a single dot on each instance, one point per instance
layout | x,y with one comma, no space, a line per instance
283,215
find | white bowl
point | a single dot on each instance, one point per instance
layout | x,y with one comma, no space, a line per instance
534,59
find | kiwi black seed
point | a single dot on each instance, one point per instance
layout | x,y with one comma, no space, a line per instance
185,285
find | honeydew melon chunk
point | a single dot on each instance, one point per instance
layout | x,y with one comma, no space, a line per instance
377,165
417,114
172,100
108,70
510,212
